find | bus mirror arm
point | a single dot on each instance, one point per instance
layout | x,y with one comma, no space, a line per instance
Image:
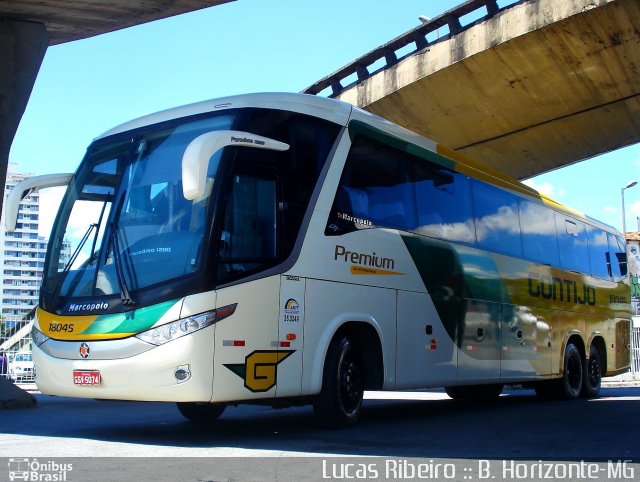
24,188
196,157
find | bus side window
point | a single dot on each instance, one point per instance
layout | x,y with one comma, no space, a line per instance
443,203
599,252
375,189
617,257
539,239
497,220
572,241
248,239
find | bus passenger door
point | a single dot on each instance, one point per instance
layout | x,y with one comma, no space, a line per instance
425,353
247,353
479,344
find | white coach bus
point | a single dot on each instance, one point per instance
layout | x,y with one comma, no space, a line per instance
289,249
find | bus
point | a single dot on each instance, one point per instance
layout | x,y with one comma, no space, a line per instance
286,249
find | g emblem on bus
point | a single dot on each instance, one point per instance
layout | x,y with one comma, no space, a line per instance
260,369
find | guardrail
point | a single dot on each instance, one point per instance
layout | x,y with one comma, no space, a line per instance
401,47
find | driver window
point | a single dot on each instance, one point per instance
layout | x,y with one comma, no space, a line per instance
248,238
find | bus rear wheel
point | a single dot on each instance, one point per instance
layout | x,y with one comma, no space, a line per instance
570,385
571,382
340,400
592,371
201,412
475,392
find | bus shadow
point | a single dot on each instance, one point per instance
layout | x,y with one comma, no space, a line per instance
516,426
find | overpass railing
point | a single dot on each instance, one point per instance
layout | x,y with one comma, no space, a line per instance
452,21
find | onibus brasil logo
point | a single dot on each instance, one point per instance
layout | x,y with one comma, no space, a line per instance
35,470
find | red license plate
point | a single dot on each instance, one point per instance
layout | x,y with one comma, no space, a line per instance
86,377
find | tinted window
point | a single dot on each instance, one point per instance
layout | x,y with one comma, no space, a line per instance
375,189
299,167
617,257
572,240
598,252
497,224
443,200
538,225
248,238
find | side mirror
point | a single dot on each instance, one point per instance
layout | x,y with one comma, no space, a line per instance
195,160
25,187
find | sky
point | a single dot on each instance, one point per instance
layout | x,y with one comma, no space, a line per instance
88,86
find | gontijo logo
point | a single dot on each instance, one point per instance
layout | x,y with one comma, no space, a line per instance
85,351
365,263
260,369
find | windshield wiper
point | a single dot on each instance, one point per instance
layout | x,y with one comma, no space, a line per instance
73,257
124,291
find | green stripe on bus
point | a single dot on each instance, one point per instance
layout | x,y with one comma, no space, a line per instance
135,321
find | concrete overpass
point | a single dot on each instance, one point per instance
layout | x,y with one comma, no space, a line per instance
28,27
527,88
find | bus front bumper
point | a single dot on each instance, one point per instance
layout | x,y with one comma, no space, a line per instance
178,371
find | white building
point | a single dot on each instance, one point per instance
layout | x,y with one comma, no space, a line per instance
22,254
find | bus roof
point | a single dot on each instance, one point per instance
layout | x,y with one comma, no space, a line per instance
329,109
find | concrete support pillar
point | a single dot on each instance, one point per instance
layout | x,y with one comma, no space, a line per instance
22,48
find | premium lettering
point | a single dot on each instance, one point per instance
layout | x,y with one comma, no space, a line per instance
363,259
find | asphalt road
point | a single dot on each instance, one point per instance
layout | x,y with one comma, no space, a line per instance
427,425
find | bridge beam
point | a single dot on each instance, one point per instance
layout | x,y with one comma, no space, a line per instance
534,87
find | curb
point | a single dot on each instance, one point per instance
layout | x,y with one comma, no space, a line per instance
12,397
629,384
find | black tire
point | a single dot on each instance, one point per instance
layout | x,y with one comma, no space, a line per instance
569,387
340,400
475,392
572,378
201,412
592,374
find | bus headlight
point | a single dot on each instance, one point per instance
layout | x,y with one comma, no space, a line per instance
160,335
37,336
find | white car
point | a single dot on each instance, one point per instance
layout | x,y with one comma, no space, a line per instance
21,368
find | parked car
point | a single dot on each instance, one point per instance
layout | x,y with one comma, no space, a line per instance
21,368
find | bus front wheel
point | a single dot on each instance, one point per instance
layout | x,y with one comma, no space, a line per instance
201,412
340,400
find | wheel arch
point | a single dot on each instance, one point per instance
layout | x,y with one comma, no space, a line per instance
574,337
598,342
367,341
365,333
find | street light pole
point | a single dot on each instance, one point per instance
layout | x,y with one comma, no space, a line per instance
624,221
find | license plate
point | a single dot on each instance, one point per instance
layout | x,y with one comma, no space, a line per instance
86,377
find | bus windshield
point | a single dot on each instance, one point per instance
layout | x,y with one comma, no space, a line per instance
125,230
125,212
